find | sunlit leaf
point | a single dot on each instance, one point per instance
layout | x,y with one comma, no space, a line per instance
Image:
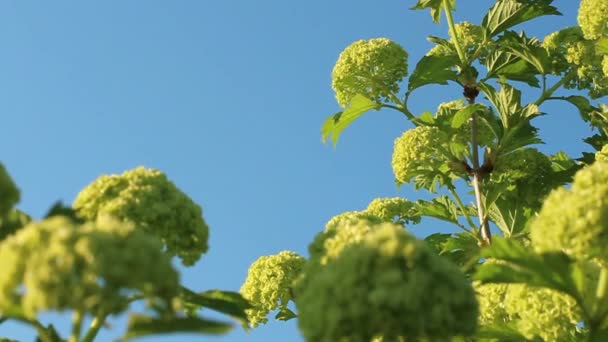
140,325
463,115
508,13
433,70
335,124
227,302
285,314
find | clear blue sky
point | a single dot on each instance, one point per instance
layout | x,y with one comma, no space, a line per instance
227,97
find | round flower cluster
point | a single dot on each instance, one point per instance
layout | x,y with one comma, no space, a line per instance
469,36
570,52
328,244
391,285
148,199
491,298
527,307
372,68
9,191
575,220
395,209
418,148
602,155
269,284
56,264
527,171
593,18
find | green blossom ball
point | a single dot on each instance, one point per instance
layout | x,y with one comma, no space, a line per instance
394,209
593,17
491,298
389,284
469,35
372,68
602,155
575,220
527,171
570,52
269,284
147,198
544,312
328,244
57,265
418,148
9,191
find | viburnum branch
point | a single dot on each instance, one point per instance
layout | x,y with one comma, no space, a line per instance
77,317
453,33
462,208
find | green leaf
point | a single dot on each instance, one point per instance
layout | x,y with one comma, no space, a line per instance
463,250
464,114
433,70
60,209
584,106
441,207
436,6
520,265
436,241
601,46
285,314
503,64
508,13
426,118
227,302
140,325
528,49
335,124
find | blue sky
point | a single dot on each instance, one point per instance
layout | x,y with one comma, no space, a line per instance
227,98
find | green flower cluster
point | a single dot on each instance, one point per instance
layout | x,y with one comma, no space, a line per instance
593,18
411,292
350,227
491,298
570,52
575,220
527,307
56,264
393,209
469,35
527,171
419,148
269,284
602,155
9,191
372,68
151,201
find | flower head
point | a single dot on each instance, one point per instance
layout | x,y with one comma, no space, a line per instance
575,220
269,284
527,172
528,307
593,18
602,155
151,201
56,264
372,68
418,148
411,292
571,53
